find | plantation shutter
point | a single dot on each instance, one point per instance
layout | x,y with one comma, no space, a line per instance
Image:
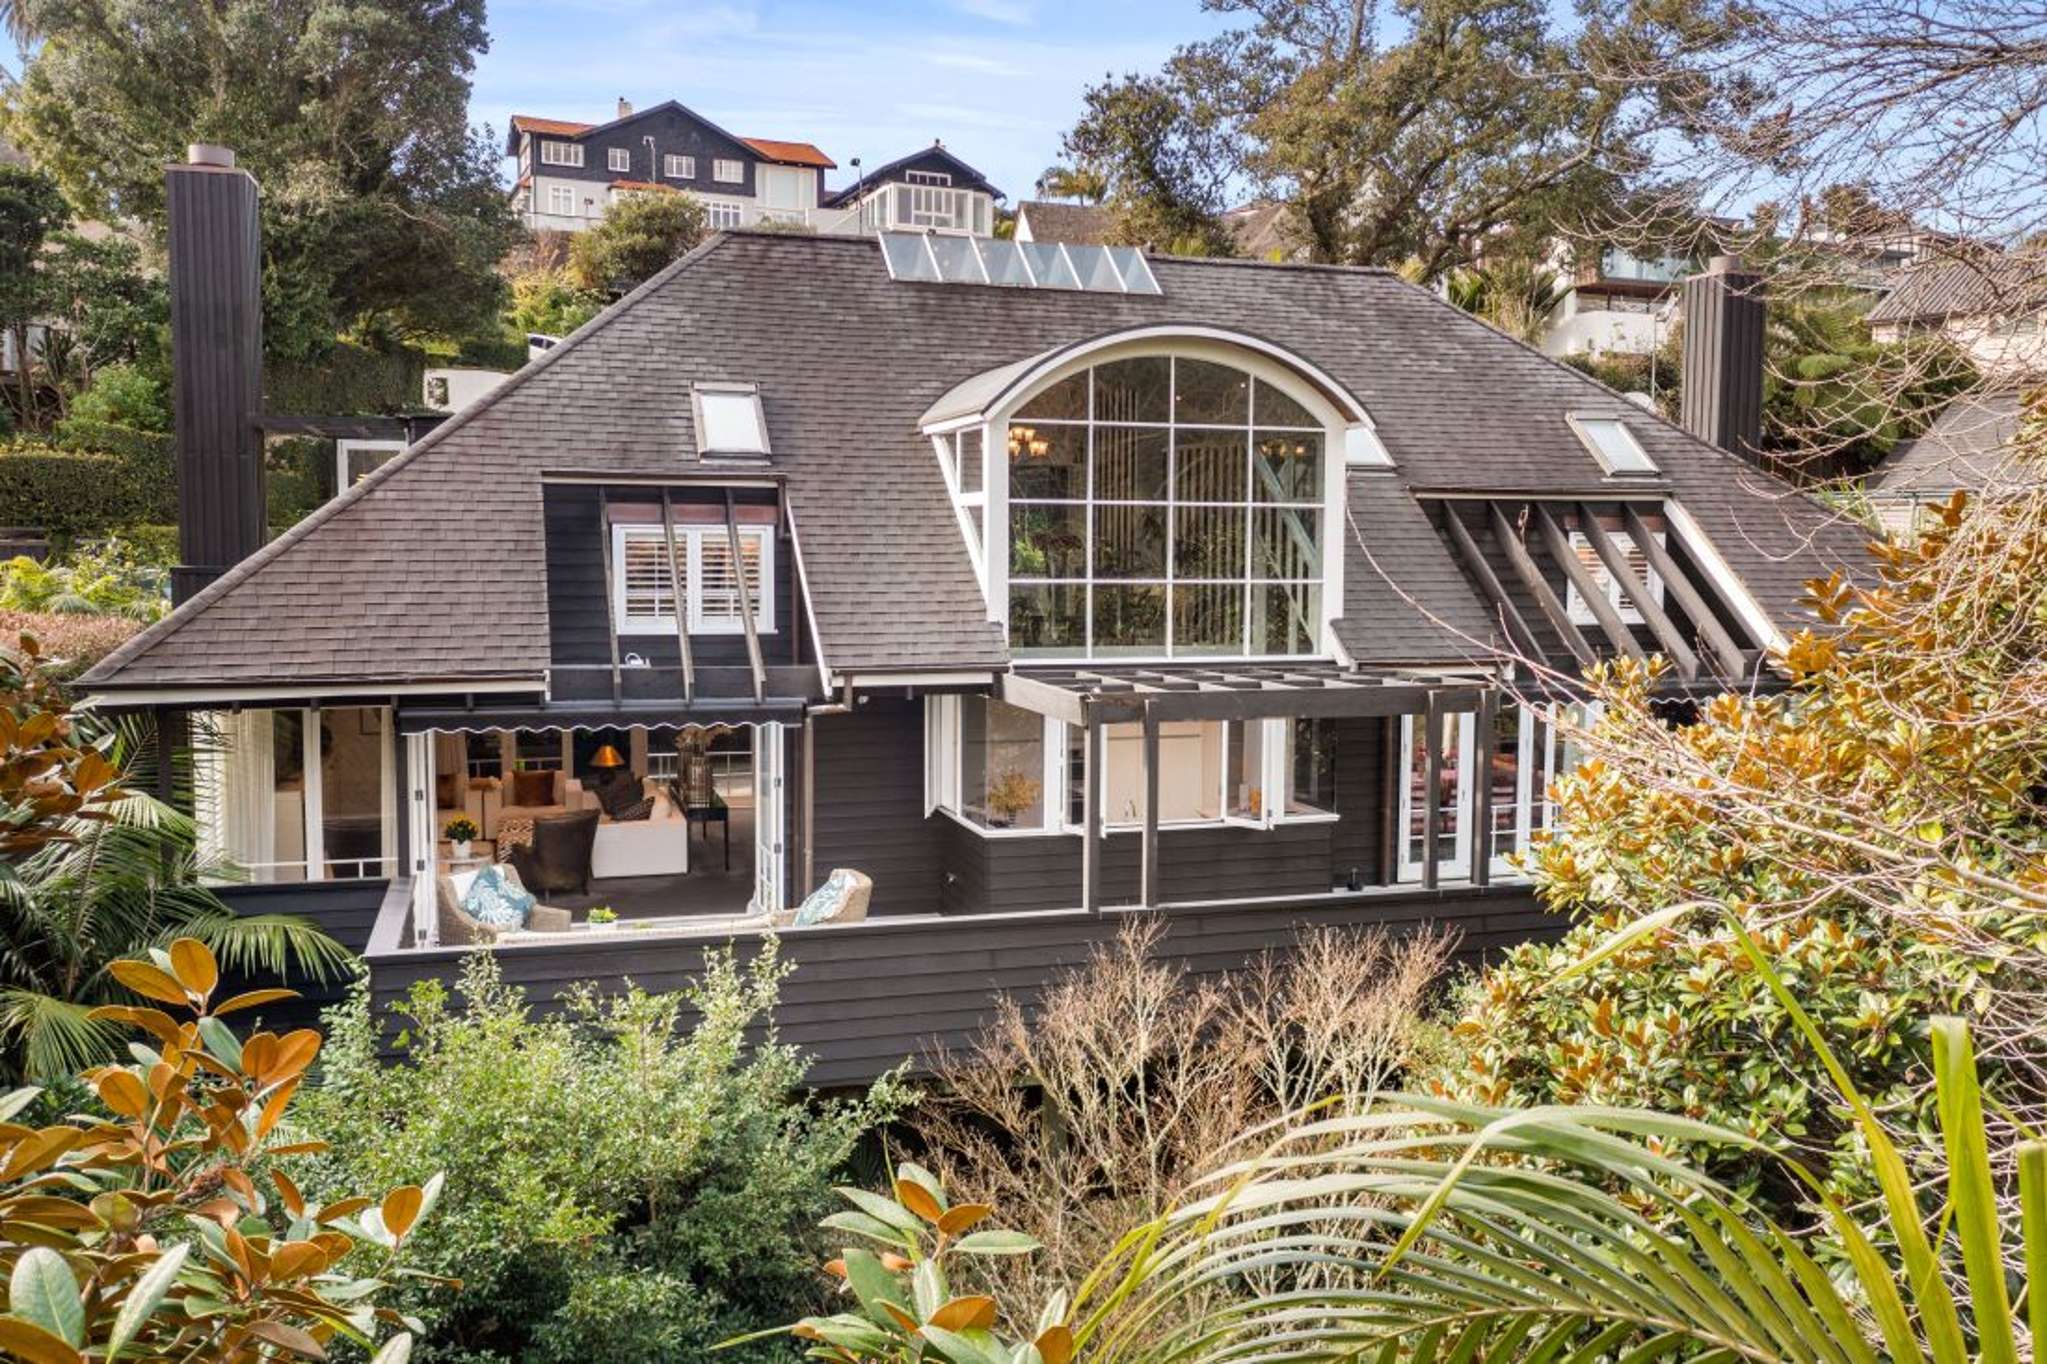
1638,568
718,587
644,585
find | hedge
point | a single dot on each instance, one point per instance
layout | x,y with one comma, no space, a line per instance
297,472
67,493
347,380
149,460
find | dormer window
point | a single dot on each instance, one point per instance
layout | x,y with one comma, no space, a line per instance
729,420
1612,444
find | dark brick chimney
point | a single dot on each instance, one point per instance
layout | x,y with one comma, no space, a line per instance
216,282
1722,395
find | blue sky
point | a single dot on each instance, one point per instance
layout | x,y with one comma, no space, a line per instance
999,80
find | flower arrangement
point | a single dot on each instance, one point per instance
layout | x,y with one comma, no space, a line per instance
460,829
1012,793
603,916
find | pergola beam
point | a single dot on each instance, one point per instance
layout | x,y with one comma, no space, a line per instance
1474,558
1538,586
752,627
1589,590
1733,659
1661,625
681,600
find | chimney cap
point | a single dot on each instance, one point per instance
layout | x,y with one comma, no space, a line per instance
210,154
625,107
1726,265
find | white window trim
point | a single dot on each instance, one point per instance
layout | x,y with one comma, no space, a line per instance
675,166
721,164
211,777
1647,467
690,540
554,153
561,201
618,158
1456,863
346,447
750,392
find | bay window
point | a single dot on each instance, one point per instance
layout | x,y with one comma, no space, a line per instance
998,767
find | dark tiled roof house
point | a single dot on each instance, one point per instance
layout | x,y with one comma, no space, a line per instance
1030,585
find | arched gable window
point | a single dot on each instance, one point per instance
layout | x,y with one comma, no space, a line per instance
1164,506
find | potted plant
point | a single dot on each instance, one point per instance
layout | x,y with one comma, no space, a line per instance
1009,795
603,917
460,832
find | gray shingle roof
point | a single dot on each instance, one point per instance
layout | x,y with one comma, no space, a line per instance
1077,224
1968,446
433,569
1933,290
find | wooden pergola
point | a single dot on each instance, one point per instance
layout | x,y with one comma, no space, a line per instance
1089,697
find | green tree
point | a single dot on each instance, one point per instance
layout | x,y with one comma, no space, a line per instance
1878,830
545,300
1479,117
31,208
380,202
640,234
1084,183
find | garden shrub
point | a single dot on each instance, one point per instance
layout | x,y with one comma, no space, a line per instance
347,379
70,643
97,578
123,395
1096,1110
620,1187
67,493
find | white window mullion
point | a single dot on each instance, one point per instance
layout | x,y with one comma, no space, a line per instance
315,816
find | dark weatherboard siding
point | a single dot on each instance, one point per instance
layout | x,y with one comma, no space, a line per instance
869,805
865,998
346,910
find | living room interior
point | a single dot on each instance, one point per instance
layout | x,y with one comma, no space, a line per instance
644,822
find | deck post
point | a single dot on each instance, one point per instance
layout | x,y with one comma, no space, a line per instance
1391,771
1091,806
1148,892
809,809
1432,786
1483,740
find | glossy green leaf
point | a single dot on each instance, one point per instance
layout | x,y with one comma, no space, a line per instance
43,1290
145,1297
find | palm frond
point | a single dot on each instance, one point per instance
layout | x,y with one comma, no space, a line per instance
1430,1231
269,944
55,1036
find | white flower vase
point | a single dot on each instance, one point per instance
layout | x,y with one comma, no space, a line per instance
459,847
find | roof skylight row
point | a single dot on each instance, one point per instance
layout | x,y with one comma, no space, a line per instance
928,258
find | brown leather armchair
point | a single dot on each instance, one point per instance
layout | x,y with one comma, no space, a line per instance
559,859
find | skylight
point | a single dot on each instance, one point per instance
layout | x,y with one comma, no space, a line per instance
1612,444
926,258
729,420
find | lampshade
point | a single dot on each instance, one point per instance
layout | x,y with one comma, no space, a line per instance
607,756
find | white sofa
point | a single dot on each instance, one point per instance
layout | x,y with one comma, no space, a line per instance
655,846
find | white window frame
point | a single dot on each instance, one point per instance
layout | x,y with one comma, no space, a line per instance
727,170
561,201
1325,504
1455,864
1575,605
704,395
554,153
720,214
923,177
675,166
618,159
689,540
211,783
1634,461
345,447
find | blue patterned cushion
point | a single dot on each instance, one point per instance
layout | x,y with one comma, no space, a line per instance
824,901
497,901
